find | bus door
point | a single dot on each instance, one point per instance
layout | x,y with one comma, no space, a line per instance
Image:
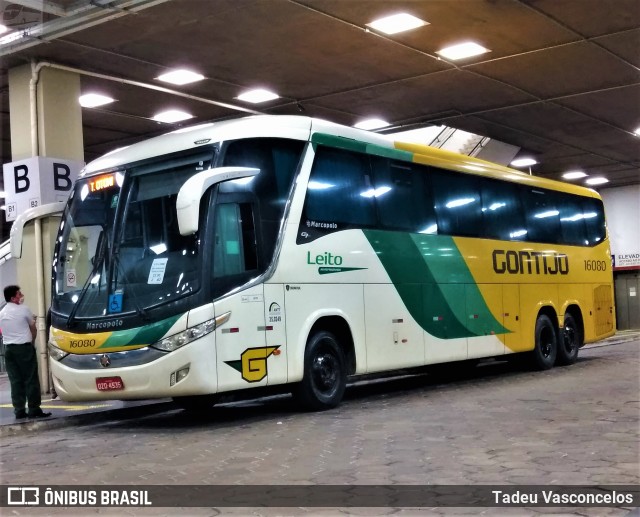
240,341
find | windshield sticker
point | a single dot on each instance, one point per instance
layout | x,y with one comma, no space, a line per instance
115,302
71,278
156,273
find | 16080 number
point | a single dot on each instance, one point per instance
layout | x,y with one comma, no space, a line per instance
595,265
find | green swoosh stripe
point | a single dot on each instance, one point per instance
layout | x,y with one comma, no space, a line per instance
434,283
146,335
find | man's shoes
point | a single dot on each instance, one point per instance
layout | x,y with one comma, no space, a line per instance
21,414
40,414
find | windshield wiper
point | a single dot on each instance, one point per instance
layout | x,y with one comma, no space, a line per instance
97,264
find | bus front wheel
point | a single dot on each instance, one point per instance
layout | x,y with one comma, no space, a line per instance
325,373
546,348
570,342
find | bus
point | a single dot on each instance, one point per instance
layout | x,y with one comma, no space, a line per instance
290,253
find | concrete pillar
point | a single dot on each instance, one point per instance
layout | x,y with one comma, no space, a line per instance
57,134
59,120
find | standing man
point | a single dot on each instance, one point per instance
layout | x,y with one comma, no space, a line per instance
18,332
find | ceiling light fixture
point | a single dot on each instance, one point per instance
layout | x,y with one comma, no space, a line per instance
396,23
180,77
637,132
93,100
258,95
171,116
371,123
599,180
574,175
462,50
523,162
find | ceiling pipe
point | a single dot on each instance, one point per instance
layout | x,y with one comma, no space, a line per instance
35,77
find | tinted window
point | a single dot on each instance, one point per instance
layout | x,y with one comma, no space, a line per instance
340,189
594,220
502,216
542,215
402,198
572,220
457,204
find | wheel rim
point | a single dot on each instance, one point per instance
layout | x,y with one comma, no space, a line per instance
325,372
570,339
546,342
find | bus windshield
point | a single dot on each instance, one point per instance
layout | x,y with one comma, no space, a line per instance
104,268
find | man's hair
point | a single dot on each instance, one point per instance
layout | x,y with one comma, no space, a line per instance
10,291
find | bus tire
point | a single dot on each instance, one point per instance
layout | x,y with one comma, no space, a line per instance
196,403
570,341
546,347
325,373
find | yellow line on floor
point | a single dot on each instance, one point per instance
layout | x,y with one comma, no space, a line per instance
70,408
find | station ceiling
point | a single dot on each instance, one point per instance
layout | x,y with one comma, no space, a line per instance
561,80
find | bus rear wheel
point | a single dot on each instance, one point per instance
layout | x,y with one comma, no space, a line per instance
546,347
196,403
325,373
570,342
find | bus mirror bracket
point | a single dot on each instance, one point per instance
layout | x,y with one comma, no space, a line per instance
188,201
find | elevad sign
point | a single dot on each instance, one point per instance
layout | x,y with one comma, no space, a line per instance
37,181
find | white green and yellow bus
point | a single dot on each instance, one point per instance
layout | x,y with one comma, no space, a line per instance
293,253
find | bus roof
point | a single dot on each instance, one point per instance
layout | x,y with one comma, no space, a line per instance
306,128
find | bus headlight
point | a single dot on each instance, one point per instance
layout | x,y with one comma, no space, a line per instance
171,343
56,353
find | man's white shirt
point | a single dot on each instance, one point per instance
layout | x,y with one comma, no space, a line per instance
15,323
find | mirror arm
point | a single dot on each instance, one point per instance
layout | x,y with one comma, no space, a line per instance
188,202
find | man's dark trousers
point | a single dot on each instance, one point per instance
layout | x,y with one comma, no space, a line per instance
22,368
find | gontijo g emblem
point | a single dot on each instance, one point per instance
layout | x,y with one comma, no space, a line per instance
253,363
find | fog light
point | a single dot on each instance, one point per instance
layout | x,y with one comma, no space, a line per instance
178,375
182,374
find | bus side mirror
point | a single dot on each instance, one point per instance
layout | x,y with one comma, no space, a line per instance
188,202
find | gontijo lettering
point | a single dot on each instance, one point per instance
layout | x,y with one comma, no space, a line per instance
530,263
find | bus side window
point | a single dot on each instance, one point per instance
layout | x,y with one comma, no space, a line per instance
593,212
502,216
403,199
235,247
543,216
572,220
340,189
457,203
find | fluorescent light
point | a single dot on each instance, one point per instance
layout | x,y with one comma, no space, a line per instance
518,233
258,95
172,116
371,123
180,76
599,180
93,100
3,193
375,192
637,132
430,229
462,50
460,202
573,175
319,185
523,162
548,213
3,29
400,22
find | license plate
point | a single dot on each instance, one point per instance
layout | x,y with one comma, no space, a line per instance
109,383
